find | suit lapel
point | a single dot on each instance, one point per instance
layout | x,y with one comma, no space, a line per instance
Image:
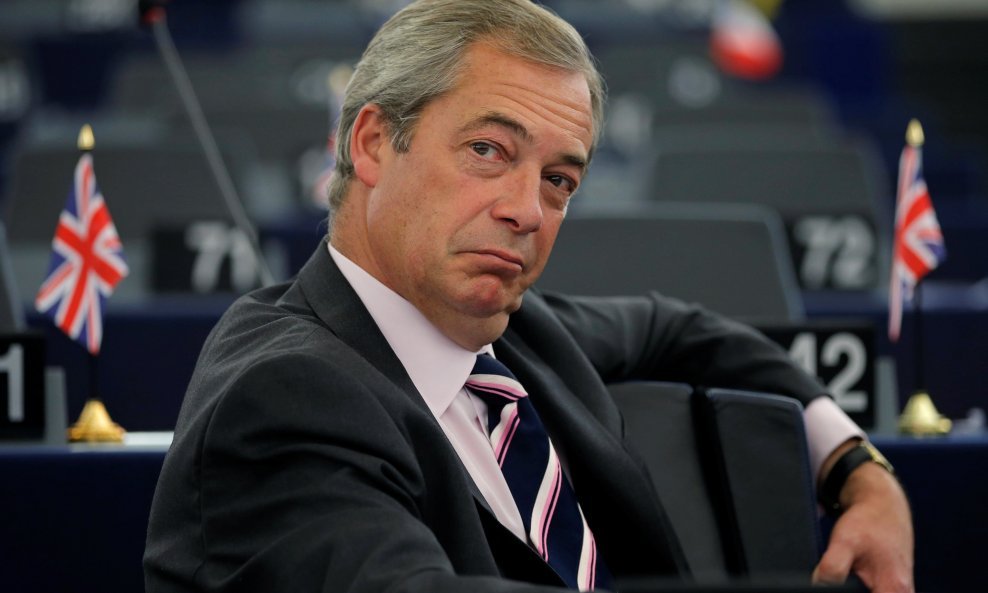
334,301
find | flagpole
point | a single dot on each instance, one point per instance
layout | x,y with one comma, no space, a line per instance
93,376
918,323
94,423
916,138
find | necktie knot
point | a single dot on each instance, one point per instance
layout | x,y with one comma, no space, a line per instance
492,381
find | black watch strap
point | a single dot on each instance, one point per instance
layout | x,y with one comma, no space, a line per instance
848,462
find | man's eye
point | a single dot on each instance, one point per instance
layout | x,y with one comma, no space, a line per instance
484,149
561,182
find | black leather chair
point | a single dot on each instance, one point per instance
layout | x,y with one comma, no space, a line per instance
659,422
732,470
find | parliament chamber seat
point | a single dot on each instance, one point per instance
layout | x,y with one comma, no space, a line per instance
732,471
732,259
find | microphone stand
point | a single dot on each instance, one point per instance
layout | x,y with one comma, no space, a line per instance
152,13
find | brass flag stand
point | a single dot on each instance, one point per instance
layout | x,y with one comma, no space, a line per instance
95,425
921,418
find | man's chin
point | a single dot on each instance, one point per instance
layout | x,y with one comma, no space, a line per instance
493,305
480,321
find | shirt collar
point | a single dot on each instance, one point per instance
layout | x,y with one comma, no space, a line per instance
437,366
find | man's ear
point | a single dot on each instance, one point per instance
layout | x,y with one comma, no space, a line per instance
369,138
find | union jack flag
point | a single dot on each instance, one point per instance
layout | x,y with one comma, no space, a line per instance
86,262
918,244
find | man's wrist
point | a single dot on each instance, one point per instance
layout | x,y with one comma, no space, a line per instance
861,453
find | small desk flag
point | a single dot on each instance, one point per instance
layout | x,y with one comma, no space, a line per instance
86,262
743,42
918,246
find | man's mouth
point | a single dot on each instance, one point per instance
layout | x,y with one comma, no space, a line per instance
502,257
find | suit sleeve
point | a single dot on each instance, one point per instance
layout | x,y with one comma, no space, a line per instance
316,493
660,338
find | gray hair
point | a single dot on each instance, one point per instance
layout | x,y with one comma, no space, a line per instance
417,55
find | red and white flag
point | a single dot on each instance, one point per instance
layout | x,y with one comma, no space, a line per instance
918,245
743,42
86,262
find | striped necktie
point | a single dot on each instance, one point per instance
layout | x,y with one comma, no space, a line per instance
549,510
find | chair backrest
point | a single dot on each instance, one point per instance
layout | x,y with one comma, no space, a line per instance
679,81
732,470
658,422
732,259
831,196
267,76
146,181
793,177
765,477
11,310
275,98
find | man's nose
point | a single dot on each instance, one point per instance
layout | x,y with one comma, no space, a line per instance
520,204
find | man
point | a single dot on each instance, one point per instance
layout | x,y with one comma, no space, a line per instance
334,438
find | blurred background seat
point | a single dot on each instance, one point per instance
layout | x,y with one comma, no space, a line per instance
732,258
828,194
12,317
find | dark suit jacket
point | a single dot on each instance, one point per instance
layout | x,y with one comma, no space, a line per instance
305,460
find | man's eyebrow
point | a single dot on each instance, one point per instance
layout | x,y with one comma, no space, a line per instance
494,118
572,159
499,119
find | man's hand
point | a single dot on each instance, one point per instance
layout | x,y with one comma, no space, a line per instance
874,535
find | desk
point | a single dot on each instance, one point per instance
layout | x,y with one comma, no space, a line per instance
75,517
947,484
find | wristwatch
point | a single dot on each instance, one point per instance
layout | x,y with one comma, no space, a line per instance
863,452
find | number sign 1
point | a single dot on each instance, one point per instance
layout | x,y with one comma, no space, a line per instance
22,386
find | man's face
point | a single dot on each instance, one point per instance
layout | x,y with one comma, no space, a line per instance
463,223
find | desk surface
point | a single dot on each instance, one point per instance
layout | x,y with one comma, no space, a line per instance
75,516
946,481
